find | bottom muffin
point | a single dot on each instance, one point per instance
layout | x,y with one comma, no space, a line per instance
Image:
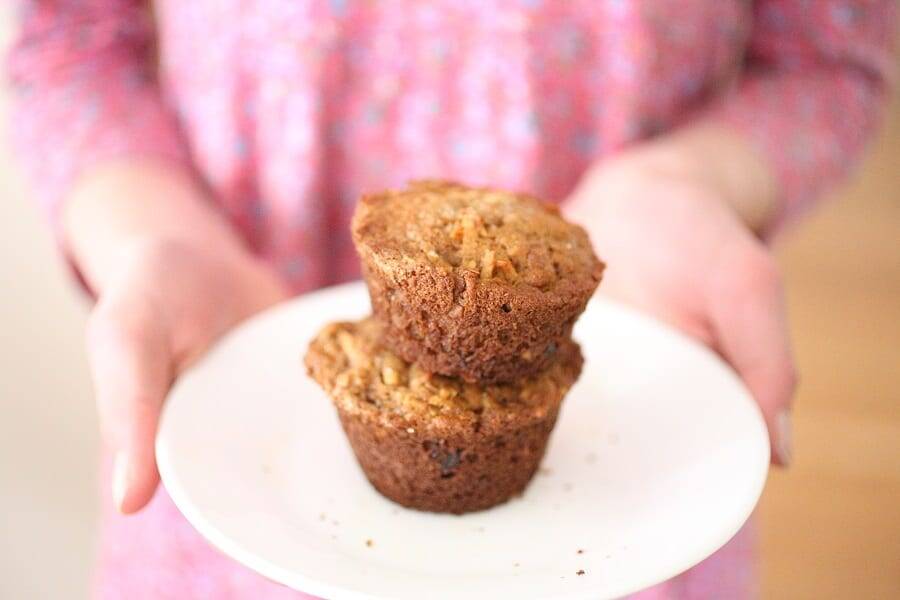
437,443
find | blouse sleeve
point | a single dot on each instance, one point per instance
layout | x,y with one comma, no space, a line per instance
815,83
84,91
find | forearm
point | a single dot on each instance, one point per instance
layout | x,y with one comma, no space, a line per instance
84,93
117,205
815,80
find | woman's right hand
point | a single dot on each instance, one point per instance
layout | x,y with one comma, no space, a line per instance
168,301
170,277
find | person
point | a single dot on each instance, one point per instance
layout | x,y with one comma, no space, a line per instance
199,163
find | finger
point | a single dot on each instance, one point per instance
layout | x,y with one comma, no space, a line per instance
131,369
747,310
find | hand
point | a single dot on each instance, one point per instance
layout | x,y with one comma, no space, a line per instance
171,276
160,309
676,249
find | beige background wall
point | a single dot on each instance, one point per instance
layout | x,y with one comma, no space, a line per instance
831,525
48,438
47,434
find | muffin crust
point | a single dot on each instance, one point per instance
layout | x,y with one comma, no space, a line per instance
473,283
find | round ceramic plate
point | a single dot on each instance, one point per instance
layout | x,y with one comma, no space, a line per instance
658,458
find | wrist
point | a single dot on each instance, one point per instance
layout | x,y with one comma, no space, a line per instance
164,248
706,157
119,209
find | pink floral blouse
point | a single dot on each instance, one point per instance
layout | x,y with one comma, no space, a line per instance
289,109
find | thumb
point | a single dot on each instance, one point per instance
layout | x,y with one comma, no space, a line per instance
132,371
747,310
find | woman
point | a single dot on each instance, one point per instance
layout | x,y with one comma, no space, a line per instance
192,193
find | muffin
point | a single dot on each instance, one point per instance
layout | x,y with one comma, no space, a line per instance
436,443
473,283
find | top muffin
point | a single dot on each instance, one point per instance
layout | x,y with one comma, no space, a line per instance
512,238
472,282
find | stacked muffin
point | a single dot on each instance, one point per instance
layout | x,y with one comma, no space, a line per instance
449,392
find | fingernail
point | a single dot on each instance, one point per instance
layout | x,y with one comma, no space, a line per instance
119,479
784,437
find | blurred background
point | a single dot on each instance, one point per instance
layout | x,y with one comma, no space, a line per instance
831,525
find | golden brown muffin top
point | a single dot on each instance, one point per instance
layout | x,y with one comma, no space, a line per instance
360,375
503,236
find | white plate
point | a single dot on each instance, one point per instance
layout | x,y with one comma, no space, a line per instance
658,458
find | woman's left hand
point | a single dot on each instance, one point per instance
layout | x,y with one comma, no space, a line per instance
676,250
